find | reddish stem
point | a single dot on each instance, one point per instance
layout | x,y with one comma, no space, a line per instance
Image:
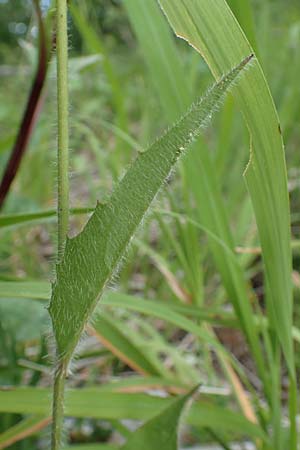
30,114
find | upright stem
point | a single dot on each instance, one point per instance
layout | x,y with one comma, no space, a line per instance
63,127
58,405
63,197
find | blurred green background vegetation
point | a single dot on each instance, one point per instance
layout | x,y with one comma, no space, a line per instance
116,108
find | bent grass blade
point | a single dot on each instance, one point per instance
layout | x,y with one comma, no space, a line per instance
266,172
265,175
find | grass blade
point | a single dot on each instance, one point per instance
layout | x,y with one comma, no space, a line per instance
112,336
91,447
40,290
12,220
162,57
198,171
266,173
244,14
94,402
23,429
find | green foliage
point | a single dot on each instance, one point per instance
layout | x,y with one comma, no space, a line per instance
199,172
161,430
265,175
91,258
21,429
92,447
104,404
14,20
203,294
114,336
267,182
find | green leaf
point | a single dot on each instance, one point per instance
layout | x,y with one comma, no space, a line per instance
26,427
199,173
91,447
40,290
92,257
112,335
135,383
244,14
266,172
87,402
94,402
94,43
11,220
161,430
162,59
207,415
174,93
161,311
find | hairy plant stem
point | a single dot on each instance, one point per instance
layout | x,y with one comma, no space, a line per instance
63,128
58,404
63,198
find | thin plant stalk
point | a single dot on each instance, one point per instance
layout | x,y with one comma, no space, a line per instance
58,405
30,114
63,128
63,198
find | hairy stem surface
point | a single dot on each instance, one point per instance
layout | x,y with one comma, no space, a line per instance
58,405
63,128
63,198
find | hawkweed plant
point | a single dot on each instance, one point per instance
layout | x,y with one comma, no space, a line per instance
208,272
87,262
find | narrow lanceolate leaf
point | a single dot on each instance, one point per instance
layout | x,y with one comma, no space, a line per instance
200,180
266,172
91,258
161,431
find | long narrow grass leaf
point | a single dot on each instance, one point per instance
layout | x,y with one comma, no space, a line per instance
266,172
93,402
